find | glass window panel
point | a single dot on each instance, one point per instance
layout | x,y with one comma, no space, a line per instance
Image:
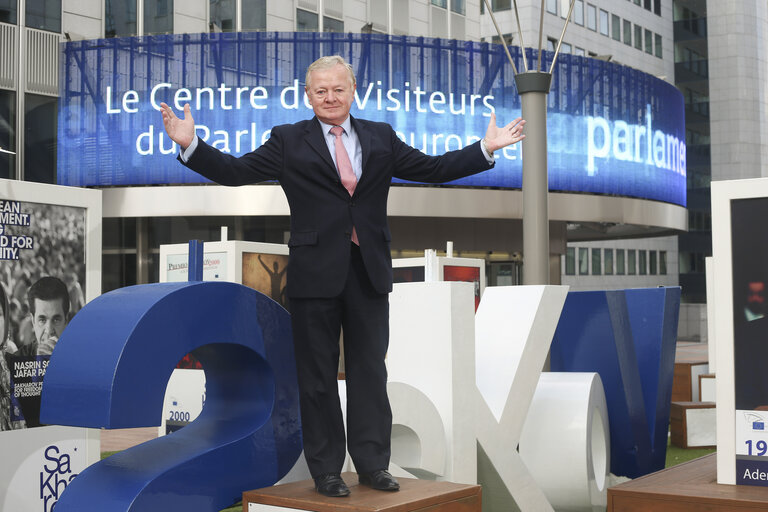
119,18
552,6
40,119
663,262
306,21
440,3
222,16
7,133
564,6
158,16
642,262
631,261
570,261
583,261
596,262
551,44
565,47
332,25
628,32
637,2
458,6
578,12
8,13
615,27
657,37
44,14
579,51
254,15
657,7
648,41
608,261
591,17
500,5
604,22
620,262
638,37
652,262
647,4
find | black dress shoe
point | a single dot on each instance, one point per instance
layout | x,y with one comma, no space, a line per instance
331,485
380,480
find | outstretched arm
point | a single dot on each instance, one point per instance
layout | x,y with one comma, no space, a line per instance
181,131
500,137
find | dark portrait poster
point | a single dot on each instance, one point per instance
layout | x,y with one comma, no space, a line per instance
749,246
42,283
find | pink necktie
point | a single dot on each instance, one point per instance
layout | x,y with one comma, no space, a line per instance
344,166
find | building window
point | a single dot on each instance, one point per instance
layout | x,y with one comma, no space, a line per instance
8,12
222,16
615,27
40,120
332,25
657,37
254,14
604,22
570,261
119,18
596,262
578,12
653,262
551,44
638,37
440,3
44,15
642,261
497,5
628,33
7,134
631,264
657,7
620,262
565,47
457,6
306,21
583,261
663,263
565,5
551,6
579,51
608,262
647,4
591,17
648,42
637,2
158,16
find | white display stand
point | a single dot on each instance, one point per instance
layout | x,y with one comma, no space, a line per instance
734,428
227,260
37,463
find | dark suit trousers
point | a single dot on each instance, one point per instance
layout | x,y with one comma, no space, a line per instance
364,315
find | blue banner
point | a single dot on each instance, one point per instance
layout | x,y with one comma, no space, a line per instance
612,129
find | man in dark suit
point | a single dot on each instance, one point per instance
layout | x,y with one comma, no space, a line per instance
336,172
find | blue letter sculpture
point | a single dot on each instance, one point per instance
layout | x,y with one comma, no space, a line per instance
628,337
111,367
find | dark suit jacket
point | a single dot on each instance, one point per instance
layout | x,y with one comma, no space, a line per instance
322,211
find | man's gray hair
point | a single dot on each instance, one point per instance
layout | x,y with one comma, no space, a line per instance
329,62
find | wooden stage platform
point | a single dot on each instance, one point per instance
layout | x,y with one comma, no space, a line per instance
688,487
414,495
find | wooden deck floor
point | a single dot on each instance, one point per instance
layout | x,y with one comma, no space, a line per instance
688,487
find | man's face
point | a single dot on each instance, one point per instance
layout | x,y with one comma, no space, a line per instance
48,322
331,93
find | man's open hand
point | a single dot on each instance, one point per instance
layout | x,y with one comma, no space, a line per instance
181,131
497,138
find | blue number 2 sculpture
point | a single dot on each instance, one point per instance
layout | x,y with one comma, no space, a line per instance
111,367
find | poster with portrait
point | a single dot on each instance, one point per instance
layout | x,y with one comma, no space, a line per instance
50,266
749,251
42,283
